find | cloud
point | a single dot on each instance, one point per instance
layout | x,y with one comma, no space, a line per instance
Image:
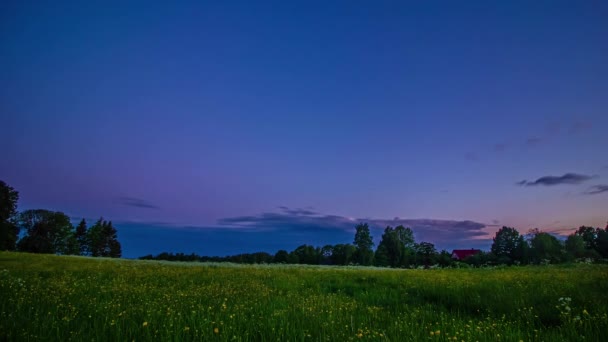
597,189
440,232
568,178
533,141
137,202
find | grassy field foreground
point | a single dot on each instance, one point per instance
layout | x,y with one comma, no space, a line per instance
45,297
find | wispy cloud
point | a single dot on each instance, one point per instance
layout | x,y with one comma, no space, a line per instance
597,189
137,202
568,178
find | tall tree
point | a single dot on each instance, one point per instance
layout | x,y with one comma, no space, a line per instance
81,238
103,240
46,232
396,245
364,243
9,230
507,245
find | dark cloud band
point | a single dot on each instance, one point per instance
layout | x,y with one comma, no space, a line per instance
568,178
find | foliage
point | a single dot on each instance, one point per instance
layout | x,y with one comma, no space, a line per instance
546,247
396,248
364,243
508,245
103,240
46,232
9,231
82,238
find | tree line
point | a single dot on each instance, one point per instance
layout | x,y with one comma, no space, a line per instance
398,249
52,232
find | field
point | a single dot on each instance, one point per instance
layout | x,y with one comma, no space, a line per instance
45,297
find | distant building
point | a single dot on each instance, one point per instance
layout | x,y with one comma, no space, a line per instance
461,254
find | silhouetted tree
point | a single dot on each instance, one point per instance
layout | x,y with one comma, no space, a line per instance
575,246
396,247
47,232
103,240
343,254
81,238
364,244
9,230
589,235
426,254
545,246
281,257
508,245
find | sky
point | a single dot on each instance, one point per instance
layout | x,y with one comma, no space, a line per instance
229,127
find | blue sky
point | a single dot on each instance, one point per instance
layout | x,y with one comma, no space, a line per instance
176,120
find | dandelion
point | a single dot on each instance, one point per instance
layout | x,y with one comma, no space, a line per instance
438,332
216,330
145,324
432,333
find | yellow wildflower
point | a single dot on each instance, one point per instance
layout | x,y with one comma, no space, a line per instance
216,330
145,324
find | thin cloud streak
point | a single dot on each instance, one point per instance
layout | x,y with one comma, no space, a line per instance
597,189
568,178
137,203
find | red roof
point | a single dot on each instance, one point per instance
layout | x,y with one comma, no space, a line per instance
461,254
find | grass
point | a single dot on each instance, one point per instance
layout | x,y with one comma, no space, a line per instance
46,297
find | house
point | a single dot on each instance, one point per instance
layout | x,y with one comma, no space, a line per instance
461,254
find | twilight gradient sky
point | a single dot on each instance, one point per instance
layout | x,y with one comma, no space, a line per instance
227,127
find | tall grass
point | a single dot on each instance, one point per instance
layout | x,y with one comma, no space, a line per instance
44,297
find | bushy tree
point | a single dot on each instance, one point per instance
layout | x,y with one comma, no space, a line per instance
508,245
46,232
103,240
364,244
396,247
9,230
575,246
426,254
545,246
281,257
343,254
589,235
307,254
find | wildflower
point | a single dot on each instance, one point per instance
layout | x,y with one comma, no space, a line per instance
438,332
585,312
432,333
216,330
145,324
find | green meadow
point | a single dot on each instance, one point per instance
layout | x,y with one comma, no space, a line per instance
61,298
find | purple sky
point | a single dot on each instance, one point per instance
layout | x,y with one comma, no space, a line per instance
222,128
